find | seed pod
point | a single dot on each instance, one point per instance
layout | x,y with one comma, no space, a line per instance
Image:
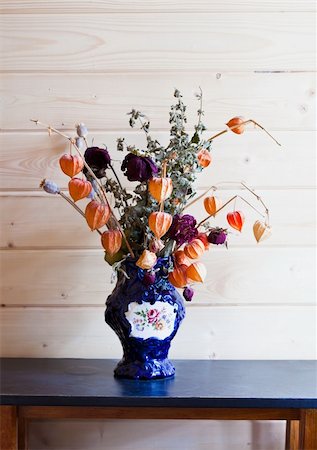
204,239
111,241
82,130
261,231
196,272
181,259
97,214
159,223
147,260
212,204
160,188
71,165
235,122
79,189
194,249
156,245
236,219
204,157
178,277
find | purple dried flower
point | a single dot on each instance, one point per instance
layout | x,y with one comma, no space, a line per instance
98,159
188,293
138,168
49,186
217,236
149,278
183,229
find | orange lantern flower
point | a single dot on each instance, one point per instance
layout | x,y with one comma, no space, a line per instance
181,259
196,272
236,219
147,260
71,165
212,204
97,214
237,123
111,241
204,157
194,249
204,239
160,188
79,189
261,231
159,223
178,277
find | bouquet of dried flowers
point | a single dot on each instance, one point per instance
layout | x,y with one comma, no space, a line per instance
151,222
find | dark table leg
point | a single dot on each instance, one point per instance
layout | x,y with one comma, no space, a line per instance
308,429
8,421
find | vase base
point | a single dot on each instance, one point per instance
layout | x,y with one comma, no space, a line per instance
145,370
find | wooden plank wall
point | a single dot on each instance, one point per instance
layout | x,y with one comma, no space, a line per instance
69,61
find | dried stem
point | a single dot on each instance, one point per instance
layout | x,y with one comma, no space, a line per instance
243,199
74,206
239,125
198,198
50,130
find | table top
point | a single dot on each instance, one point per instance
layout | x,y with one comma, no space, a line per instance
197,383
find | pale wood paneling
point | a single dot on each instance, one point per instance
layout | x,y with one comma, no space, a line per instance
240,276
27,158
47,221
128,42
223,333
279,101
176,435
153,6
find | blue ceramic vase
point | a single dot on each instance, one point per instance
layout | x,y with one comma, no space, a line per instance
145,318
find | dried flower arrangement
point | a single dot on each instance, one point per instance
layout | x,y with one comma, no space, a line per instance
151,222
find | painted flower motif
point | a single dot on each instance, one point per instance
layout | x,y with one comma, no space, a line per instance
183,229
159,325
138,168
98,160
153,315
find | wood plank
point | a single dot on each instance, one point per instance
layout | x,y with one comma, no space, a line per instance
27,158
279,101
292,435
126,42
30,220
249,277
151,6
8,420
308,429
157,413
269,332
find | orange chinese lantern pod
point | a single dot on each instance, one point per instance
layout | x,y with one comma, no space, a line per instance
147,260
181,259
204,239
235,122
178,277
97,214
159,223
236,219
79,189
204,157
71,165
212,204
261,231
194,249
196,272
111,241
160,188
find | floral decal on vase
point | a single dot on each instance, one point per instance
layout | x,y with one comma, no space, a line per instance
148,321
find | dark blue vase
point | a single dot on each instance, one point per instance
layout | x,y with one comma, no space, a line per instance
145,318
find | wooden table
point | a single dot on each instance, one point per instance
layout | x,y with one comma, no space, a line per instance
216,390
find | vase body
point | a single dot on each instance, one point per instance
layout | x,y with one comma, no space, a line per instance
145,318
